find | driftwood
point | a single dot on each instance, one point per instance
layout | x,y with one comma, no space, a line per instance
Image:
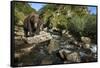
44,36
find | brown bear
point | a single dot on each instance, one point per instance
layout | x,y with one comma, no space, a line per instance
32,25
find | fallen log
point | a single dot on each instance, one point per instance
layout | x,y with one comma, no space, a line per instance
44,36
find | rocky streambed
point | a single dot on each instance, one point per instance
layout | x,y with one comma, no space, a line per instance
56,50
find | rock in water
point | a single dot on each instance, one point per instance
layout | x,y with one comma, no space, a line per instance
86,40
53,46
61,52
74,57
94,48
69,56
44,36
86,46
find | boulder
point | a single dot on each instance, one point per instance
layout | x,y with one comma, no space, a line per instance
20,23
70,56
45,29
53,46
94,48
18,37
86,46
86,40
73,57
66,34
61,52
19,33
20,29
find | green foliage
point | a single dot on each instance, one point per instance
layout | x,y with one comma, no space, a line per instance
59,21
83,26
46,12
79,10
77,24
21,10
19,15
55,14
90,29
76,19
59,15
24,7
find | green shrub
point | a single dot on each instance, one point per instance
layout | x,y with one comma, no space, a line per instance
90,29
